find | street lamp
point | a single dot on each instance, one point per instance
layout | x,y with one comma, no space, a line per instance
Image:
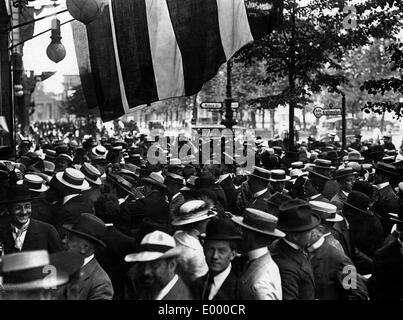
56,50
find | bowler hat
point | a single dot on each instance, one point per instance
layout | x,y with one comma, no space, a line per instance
221,229
296,216
17,193
259,221
365,187
357,201
89,227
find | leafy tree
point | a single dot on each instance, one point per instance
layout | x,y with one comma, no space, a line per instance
76,104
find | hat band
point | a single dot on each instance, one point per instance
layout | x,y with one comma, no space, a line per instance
258,174
26,275
260,224
71,180
276,176
155,247
88,174
33,185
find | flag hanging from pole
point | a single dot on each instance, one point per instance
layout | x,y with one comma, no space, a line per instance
142,51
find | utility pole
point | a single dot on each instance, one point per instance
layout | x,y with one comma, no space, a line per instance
343,120
229,114
291,80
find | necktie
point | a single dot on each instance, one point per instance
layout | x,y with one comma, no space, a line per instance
18,243
207,287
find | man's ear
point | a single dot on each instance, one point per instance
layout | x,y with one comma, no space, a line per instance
172,263
232,255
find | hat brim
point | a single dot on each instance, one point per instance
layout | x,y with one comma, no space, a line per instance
314,223
345,175
18,200
253,175
323,167
97,182
42,189
287,178
394,217
353,207
145,256
337,218
83,234
154,182
48,282
84,185
223,238
180,221
276,233
309,170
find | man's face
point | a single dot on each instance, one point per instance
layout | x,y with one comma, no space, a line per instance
218,255
304,238
347,183
278,186
21,212
73,243
155,274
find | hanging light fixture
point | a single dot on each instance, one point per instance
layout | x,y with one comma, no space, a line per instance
85,11
56,51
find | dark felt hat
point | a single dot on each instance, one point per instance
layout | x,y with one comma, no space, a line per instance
90,227
220,229
296,216
357,201
17,193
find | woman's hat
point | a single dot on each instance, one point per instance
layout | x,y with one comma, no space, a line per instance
296,216
72,178
92,174
260,173
32,270
278,175
155,245
220,229
357,201
89,227
192,211
155,179
326,211
17,193
34,182
259,221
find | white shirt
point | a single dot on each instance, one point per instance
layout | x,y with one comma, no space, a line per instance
345,193
23,234
218,281
257,253
223,177
382,185
167,288
69,197
259,193
87,260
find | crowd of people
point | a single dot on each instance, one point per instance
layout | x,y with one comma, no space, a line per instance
92,220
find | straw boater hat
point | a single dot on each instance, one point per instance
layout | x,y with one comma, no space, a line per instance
354,155
326,211
89,227
343,173
278,175
99,152
323,164
155,179
297,165
155,245
259,173
26,270
34,182
295,173
92,174
259,221
73,179
191,212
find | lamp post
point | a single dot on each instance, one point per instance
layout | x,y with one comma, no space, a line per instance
229,114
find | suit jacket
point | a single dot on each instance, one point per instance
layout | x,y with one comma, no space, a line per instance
386,282
387,202
229,290
338,200
42,210
39,236
259,203
230,194
70,212
111,258
330,189
297,278
330,268
175,204
261,280
94,283
180,291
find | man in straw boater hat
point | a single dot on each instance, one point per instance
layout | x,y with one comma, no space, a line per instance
154,276
325,168
254,190
174,183
297,220
36,275
345,177
219,245
83,237
190,223
261,279
93,177
70,184
387,199
22,233
278,178
386,282
329,263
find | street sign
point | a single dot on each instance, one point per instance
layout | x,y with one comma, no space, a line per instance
234,105
211,105
318,112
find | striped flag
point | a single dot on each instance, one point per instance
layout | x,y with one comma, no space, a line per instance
142,51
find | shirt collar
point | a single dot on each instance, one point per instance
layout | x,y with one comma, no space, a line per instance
167,288
223,177
345,193
257,253
175,196
15,229
69,197
293,245
382,185
315,246
88,259
314,197
259,193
